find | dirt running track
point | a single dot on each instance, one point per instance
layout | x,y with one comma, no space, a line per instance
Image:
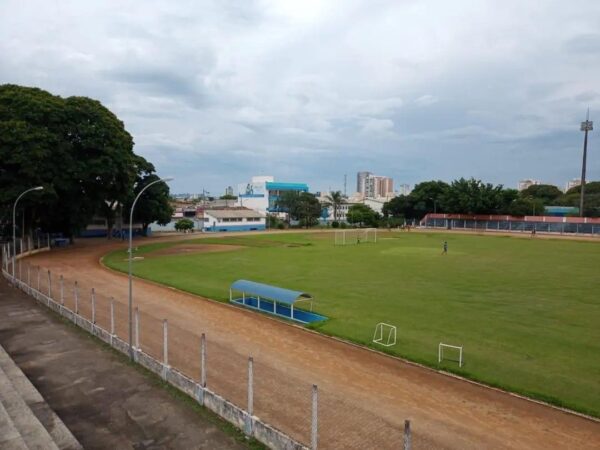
364,397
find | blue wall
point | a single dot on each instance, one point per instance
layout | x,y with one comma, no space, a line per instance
235,228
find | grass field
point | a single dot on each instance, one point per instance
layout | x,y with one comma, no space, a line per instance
527,311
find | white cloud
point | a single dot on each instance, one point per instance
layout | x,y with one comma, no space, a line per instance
280,85
426,100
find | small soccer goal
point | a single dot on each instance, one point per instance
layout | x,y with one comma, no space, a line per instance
454,349
355,236
385,334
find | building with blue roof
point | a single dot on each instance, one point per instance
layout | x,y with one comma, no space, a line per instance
262,193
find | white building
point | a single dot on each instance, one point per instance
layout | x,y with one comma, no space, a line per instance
524,184
233,219
342,210
262,193
374,186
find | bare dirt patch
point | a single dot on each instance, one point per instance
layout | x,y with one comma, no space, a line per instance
193,248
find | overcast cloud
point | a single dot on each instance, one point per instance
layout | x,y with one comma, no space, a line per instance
214,92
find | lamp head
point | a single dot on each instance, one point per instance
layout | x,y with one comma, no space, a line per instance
39,188
168,179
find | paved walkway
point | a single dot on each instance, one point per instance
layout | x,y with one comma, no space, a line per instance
105,402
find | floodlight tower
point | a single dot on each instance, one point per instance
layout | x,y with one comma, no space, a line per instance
586,126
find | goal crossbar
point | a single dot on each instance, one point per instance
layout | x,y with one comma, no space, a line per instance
441,348
387,338
355,236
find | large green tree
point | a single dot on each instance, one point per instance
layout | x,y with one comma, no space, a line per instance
307,210
154,205
547,193
591,205
74,147
428,197
474,197
362,215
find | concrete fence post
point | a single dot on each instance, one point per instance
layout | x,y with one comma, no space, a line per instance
314,429
112,320
29,278
165,369
39,275
49,286
38,239
48,235
93,306
248,429
137,333
407,435
20,270
76,296
62,290
202,384
203,360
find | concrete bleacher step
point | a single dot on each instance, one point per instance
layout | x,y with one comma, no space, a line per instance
31,417
9,435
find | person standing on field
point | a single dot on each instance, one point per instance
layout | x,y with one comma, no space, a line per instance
445,250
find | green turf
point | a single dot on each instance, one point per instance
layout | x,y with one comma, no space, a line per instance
527,311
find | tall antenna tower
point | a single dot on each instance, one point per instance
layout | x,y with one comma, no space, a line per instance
586,126
345,184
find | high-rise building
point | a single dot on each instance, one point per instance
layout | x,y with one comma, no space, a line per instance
374,186
229,191
524,184
361,178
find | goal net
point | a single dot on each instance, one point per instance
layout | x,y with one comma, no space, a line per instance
355,236
385,334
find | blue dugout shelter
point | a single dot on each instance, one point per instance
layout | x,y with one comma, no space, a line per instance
273,300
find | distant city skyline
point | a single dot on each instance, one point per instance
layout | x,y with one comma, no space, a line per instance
215,92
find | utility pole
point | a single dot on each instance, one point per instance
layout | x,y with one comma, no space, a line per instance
345,184
585,127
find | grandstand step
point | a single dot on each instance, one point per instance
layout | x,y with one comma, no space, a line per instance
9,435
31,416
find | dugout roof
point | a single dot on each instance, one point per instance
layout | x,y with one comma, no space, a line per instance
278,294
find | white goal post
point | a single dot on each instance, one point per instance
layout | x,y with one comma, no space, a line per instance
441,348
385,334
355,236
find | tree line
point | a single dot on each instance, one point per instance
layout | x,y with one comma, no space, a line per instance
81,154
471,196
462,196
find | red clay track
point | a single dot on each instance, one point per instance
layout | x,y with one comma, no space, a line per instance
364,397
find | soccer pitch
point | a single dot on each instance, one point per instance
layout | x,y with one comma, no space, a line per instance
526,311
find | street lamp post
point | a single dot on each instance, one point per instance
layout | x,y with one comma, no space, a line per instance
131,261
586,126
37,188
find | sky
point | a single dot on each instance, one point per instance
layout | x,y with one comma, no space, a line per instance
214,92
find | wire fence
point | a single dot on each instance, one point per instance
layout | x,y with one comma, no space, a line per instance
261,392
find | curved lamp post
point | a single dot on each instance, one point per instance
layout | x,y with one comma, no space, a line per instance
131,260
37,188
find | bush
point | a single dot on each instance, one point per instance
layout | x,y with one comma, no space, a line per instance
335,224
343,225
184,225
280,226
